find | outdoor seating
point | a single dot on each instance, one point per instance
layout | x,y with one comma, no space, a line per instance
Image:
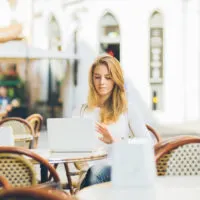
178,156
35,120
22,130
76,176
17,166
83,166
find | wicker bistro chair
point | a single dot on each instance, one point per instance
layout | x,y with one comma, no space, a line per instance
35,120
17,166
178,156
22,130
32,194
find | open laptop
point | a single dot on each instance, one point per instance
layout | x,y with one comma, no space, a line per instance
71,134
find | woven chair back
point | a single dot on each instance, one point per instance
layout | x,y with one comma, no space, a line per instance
180,157
18,164
20,128
36,121
18,170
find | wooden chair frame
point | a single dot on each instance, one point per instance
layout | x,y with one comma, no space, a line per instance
40,194
50,187
22,121
37,127
152,130
173,143
34,156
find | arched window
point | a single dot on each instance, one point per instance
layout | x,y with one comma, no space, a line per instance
12,4
156,60
110,35
54,34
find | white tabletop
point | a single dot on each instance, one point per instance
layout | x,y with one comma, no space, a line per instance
166,188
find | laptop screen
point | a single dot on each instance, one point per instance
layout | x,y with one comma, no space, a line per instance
71,134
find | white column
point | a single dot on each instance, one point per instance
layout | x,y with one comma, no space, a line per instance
184,51
44,71
68,99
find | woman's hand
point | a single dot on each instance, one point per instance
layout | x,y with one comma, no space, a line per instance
106,136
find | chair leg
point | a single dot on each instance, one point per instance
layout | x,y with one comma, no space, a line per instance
35,142
44,173
55,166
69,178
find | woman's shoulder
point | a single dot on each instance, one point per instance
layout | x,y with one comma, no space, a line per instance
79,109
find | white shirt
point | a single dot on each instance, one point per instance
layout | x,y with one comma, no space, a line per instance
120,129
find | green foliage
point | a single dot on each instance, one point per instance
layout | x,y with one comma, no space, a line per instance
15,86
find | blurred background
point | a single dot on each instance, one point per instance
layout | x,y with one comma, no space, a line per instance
47,47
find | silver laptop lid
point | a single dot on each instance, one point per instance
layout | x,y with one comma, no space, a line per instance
71,134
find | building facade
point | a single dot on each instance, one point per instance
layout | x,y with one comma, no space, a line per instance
157,44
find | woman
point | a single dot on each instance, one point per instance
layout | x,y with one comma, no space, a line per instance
107,105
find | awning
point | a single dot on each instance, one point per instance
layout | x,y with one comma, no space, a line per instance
11,32
20,50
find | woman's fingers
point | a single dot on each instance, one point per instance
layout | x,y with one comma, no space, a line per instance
104,133
98,130
102,139
101,127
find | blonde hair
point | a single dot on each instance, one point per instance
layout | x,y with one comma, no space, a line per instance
116,104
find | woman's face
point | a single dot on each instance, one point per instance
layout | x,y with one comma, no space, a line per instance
102,80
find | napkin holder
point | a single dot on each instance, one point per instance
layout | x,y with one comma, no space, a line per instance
133,164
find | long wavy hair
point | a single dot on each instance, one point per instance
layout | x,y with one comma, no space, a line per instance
116,104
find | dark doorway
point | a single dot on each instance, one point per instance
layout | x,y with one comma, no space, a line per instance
112,49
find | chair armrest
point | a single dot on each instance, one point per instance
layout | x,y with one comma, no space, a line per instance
52,187
4,183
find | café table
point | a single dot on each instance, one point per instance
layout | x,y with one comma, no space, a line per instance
166,187
66,158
